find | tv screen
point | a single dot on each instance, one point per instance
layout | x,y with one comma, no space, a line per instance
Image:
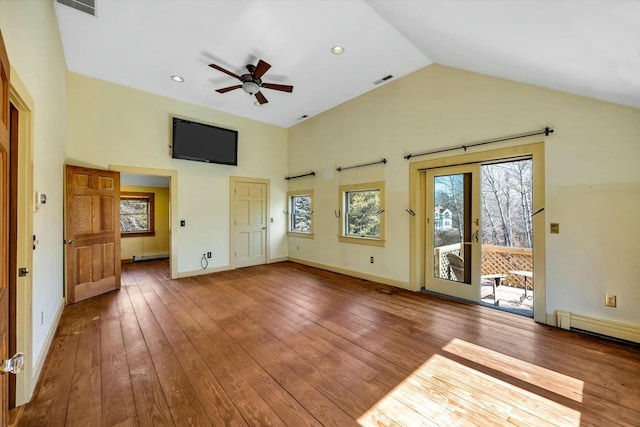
204,143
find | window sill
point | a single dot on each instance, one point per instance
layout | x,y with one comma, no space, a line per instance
361,241
138,234
298,234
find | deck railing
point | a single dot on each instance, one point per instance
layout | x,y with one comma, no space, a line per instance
495,260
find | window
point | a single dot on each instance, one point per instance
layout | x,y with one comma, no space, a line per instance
136,214
362,219
300,213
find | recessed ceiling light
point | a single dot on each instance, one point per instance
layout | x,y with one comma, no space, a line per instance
177,79
337,50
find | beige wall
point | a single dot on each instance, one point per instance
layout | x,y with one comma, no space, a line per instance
149,245
116,125
31,35
592,177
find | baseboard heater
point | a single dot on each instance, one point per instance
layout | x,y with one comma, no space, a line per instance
137,258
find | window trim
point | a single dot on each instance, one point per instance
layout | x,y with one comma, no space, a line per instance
371,241
138,195
294,233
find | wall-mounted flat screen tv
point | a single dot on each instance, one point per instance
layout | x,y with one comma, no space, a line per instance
204,143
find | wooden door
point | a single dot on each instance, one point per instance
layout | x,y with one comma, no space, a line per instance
4,226
92,232
250,224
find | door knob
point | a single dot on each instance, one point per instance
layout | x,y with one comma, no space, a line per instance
13,365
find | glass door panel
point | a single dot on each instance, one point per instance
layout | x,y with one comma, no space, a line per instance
453,257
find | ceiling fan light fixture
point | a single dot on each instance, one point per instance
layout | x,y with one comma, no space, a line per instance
337,50
251,87
177,79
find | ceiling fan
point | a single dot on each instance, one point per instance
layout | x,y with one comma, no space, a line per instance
252,81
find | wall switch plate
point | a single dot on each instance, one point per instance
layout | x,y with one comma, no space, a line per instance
554,228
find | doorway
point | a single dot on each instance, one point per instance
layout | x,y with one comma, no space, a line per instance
144,217
470,238
22,241
162,175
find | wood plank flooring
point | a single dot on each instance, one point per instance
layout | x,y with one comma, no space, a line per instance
285,344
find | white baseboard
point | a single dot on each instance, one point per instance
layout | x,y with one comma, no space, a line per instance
352,273
624,331
221,268
200,272
42,356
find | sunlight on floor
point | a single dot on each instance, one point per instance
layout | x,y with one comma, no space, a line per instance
445,392
555,382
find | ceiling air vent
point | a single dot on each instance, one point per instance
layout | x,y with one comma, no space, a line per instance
86,6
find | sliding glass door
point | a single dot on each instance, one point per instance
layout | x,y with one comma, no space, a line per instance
453,231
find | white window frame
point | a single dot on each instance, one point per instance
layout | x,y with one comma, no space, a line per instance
290,209
363,240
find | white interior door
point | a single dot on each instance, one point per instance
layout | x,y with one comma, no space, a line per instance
453,231
250,223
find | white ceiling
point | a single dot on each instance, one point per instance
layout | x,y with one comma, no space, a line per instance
589,48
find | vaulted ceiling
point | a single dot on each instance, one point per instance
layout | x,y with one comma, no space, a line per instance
589,48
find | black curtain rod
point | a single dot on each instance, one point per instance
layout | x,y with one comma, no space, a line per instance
340,169
546,131
300,176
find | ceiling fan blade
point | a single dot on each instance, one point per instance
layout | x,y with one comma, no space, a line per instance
219,68
260,69
227,89
283,88
261,99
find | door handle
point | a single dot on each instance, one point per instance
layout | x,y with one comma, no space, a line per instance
69,242
264,228
15,365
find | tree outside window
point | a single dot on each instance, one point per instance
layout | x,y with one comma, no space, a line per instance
301,212
363,213
136,214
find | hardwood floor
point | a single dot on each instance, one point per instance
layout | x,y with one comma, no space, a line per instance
286,344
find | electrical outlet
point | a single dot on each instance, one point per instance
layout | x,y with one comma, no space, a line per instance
41,318
554,228
371,260
208,254
610,300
